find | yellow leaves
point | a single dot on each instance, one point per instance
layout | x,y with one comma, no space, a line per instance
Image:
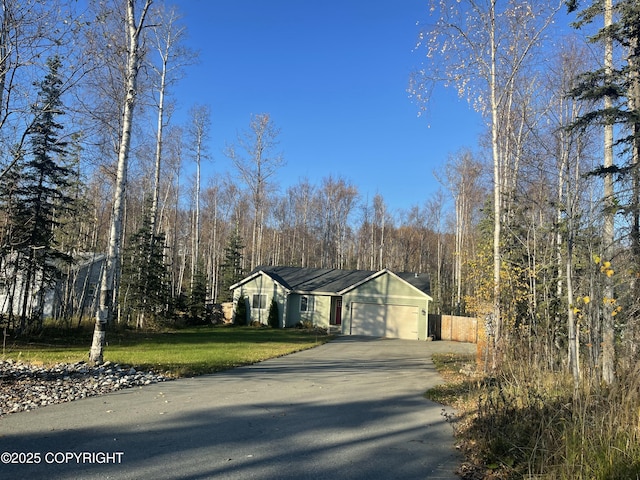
611,302
608,303
605,267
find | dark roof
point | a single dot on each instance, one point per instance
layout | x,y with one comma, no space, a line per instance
418,280
328,280
315,279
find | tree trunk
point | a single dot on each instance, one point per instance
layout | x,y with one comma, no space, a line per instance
105,307
634,105
608,351
497,182
158,159
572,327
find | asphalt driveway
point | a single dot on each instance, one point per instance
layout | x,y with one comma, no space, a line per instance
349,409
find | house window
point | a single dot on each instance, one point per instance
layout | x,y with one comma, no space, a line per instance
306,303
259,301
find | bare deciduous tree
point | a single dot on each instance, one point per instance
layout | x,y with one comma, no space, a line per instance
168,36
257,162
198,134
463,178
134,30
30,32
480,48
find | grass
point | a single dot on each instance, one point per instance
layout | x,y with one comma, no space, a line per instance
179,353
457,385
528,422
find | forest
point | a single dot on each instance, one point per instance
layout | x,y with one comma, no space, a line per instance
536,230
86,180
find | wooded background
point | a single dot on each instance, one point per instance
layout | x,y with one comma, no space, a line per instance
537,229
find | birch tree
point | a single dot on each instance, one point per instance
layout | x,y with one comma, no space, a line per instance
30,32
463,177
436,212
301,198
336,200
566,148
133,28
172,56
479,47
379,220
608,350
198,134
612,92
257,160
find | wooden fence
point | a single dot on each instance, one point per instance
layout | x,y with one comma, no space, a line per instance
454,328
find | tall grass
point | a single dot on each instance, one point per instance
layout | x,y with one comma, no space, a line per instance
530,421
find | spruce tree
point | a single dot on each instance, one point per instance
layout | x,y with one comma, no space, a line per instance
198,298
613,93
231,270
240,316
41,199
621,85
145,276
274,314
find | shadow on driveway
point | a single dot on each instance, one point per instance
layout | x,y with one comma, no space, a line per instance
347,409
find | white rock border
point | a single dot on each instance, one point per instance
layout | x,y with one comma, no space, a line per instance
24,386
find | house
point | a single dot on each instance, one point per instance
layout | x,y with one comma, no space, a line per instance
77,292
74,293
353,302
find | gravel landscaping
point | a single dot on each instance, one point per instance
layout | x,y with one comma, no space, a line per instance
25,387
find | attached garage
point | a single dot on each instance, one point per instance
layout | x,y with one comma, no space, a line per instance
385,305
351,302
393,321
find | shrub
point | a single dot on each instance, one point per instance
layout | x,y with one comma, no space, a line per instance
240,316
274,315
305,324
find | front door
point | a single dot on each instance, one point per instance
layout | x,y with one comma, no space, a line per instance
337,311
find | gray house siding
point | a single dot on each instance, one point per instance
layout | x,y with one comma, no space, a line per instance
318,315
398,298
360,302
262,285
74,295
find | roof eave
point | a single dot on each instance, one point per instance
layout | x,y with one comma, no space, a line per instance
254,276
246,279
412,286
314,292
380,273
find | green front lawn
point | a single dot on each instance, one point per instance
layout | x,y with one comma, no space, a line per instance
183,352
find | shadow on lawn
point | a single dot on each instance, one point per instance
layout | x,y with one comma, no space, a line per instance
61,337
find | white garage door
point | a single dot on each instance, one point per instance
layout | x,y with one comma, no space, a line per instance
393,321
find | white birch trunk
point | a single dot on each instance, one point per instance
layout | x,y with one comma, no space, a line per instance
608,352
572,330
158,159
105,306
497,181
196,221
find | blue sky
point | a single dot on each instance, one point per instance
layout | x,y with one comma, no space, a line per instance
333,76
